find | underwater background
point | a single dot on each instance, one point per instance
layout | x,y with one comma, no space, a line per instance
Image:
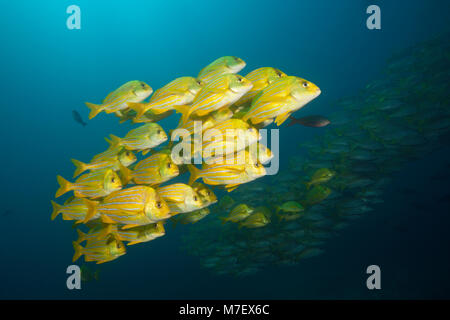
48,71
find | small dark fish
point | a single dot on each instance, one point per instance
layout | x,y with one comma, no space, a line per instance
310,121
77,118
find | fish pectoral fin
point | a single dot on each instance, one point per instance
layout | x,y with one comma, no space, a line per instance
231,187
133,242
144,152
282,118
129,226
106,219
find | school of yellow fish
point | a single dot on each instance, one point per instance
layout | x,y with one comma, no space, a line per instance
120,198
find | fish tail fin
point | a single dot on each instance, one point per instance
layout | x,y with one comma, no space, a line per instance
95,109
56,209
81,236
80,167
277,209
140,108
223,219
126,174
78,251
195,173
91,209
184,110
114,142
64,186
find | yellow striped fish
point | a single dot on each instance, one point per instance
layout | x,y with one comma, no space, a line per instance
190,217
142,138
229,175
93,185
218,67
79,209
124,158
180,198
156,169
133,207
99,250
180,91
219,93
132,91
206,195
279,99
260,78
139,234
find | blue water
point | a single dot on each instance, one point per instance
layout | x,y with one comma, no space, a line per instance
48,71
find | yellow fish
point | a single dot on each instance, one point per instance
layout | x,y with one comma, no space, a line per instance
93,185
180,197
180,91
255,220
132,91
99,250
239,213
156,169
124,158
142,138
279,99
79,209
133,207
223,65
260,78
320,176
229,175
206,195
219,93
190,217
138,234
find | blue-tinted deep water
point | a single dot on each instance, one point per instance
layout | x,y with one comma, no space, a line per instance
48,71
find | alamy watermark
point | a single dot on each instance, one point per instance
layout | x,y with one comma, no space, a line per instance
230,147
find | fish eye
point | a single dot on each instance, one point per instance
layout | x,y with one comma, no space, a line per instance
195,198
143,85
305,84
199,82
158,131
208,193
159,204
169,165
278,72
113,179
257,165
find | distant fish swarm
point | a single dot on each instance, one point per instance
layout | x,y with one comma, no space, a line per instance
339,176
